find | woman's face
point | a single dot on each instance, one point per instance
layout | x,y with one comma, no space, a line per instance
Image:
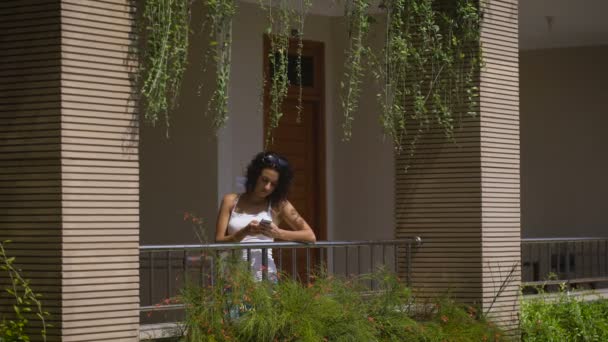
266,183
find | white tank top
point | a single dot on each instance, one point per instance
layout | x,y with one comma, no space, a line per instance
238,221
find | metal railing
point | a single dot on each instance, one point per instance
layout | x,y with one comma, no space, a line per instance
550,261
165,269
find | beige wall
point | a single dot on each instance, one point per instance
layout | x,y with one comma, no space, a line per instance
363,169
192,170
564,149
179,174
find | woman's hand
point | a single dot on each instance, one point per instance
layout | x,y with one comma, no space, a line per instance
272,231
254,228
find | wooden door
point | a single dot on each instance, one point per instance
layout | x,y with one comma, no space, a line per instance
297,142
302,143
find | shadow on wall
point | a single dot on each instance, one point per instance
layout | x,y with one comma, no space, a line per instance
179,174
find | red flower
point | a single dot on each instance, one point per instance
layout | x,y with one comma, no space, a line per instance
444,318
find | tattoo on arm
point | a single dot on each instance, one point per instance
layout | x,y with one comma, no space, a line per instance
295,217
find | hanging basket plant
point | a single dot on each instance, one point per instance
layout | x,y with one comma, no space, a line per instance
429,65
427,69
359,22
304,6
283,16
220,14
165,28
280,17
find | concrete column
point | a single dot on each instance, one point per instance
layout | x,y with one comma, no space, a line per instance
463,198
69,180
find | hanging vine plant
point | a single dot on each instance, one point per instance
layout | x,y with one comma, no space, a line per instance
428,67
358,29
301,16
219,16
280,18
430,61
165,28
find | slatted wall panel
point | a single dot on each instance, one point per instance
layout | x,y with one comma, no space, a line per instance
439,199
463,198
30,178
500,154
100,172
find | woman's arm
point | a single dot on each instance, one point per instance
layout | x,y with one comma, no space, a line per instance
221,225
301,230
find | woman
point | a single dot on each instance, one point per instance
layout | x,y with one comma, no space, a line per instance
254,216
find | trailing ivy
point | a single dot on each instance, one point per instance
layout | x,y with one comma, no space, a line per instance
304,7
26,304
165,27
358,29
428,67
280,17
431,58
219,15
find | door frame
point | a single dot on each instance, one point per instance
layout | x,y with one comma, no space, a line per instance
315,94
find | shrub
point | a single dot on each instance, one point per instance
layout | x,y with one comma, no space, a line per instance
562,317
26,302
236,308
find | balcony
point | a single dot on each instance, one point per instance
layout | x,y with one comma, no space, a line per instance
166,269
577,262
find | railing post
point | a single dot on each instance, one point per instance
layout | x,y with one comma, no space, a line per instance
294,269
150,298
264,264
346,260
308,265
169,274
408,260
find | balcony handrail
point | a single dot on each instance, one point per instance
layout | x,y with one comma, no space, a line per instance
352,248
416,241
563,239
572,260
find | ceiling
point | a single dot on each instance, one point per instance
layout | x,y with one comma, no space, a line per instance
542,23
562,23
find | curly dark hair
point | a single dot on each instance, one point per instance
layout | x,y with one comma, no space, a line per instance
270,160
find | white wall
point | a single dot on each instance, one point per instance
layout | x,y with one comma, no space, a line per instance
564,146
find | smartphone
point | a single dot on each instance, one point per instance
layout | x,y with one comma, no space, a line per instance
265,223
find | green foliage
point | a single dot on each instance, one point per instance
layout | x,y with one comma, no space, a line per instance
358,29
165,27
281,17
301,15
427,68
562,317
236,308
429,64
26,303
219,15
